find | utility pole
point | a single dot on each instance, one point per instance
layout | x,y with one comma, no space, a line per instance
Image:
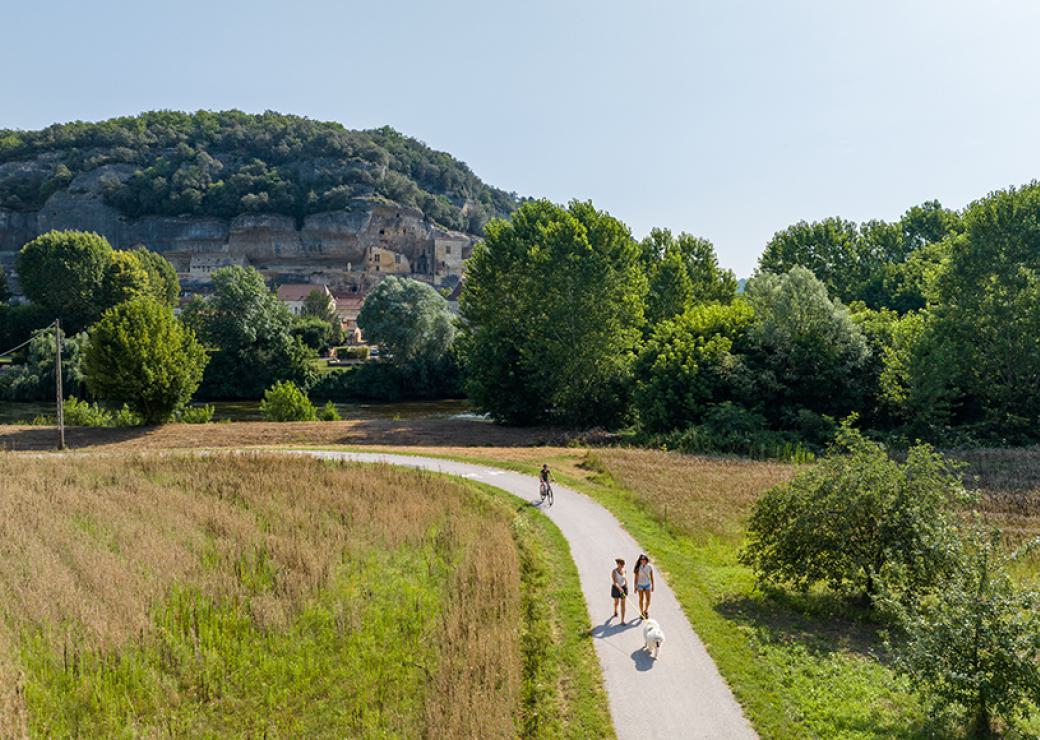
57,377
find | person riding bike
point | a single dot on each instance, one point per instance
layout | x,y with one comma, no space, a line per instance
545,477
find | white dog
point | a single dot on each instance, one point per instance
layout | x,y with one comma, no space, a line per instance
653,637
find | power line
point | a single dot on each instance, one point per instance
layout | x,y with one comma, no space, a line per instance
36,333
18,347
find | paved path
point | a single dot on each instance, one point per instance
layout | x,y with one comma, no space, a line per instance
681,694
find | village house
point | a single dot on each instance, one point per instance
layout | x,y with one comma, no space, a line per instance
294,294
387,262
348,306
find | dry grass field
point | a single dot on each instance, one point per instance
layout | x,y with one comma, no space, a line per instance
428,431
265,595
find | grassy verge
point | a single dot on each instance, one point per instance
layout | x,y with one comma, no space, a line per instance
274,596
563,693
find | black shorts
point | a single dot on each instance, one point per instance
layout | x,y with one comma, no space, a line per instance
615,592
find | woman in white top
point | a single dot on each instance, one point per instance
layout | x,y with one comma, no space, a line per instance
619,587
644,575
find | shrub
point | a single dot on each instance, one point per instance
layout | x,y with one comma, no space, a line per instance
196,414
82,414
731,429
858,520
359,352
329,413
974,643
126,417
283,401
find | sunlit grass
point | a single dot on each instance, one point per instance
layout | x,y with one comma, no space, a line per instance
266,595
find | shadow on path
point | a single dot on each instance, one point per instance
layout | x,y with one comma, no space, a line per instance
643,660
610,628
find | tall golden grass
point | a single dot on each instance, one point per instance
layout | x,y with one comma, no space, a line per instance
89,547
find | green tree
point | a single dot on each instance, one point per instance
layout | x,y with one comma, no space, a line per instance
662,253
409,319
691,362
830,249
17,323
858,521
125,279
140,354
808,351
250,333
553,312
920,383
64,273
870,262
670,291
986,312
34,380
283,401
974,642
318,303
315,333
415,327
162,278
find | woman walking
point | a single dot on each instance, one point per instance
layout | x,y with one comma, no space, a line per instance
619,587
644,575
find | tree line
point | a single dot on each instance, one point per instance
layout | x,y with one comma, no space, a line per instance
925,327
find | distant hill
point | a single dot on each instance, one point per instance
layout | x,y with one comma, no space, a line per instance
225,164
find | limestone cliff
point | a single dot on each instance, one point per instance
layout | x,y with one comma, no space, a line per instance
288,195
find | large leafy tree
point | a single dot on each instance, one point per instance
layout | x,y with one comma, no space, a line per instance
553,310
828,248
986,311
691,362
125,279
162,278
64,273
872,262
250,333
415,327
809,352
140,354
410,320
5,291
682,271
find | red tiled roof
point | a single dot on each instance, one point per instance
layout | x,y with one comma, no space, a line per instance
298,291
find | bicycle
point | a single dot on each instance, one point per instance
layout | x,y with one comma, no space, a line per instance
546,492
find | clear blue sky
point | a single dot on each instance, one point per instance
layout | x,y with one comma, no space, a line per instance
727,119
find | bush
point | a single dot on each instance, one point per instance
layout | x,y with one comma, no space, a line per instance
359,352
329,413
126,417
195,414
974,643
82,414
859,520
283,401
731,429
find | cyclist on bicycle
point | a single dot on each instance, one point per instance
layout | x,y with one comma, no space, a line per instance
545,476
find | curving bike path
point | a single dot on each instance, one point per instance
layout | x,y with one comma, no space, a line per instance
681,694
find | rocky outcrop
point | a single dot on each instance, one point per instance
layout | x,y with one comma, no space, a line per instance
324,241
